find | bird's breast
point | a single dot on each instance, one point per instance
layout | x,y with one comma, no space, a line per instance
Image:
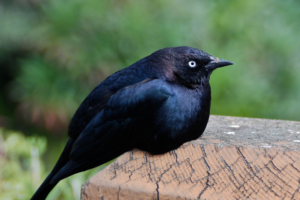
185,114
181,118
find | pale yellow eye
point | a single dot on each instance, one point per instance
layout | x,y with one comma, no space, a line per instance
192,64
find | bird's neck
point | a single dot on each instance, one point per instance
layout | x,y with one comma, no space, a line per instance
193,82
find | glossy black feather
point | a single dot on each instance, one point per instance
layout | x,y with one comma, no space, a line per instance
155,105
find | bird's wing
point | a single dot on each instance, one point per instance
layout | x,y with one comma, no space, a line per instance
92,104
112,127
98,98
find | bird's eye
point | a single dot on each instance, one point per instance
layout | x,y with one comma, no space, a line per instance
192,64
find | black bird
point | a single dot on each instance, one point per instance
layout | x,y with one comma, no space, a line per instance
155,105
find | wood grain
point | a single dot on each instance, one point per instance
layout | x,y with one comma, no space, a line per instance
236,158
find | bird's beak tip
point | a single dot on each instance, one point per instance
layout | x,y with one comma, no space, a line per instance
218,62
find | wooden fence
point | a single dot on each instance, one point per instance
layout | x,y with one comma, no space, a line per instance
236,158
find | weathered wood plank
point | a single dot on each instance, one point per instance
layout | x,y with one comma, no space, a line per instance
236,158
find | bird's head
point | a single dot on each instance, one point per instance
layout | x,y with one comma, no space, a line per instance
191,66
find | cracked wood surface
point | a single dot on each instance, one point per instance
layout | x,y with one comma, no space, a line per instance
236,158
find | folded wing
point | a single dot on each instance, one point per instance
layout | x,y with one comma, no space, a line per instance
111,125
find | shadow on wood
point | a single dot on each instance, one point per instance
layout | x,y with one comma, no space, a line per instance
236,158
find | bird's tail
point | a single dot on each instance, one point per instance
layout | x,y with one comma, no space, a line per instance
47,185
44,189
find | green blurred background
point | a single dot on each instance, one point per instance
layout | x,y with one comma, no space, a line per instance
53,53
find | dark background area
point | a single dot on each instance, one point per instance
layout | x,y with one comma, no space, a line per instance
53,53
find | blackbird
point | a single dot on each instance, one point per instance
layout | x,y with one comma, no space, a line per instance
155,105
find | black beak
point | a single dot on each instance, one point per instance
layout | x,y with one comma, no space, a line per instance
216,63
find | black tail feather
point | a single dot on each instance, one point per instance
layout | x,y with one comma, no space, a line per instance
44,189
73,167
46,186
66,167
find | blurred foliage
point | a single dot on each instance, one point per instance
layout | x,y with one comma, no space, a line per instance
53,53
22,170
